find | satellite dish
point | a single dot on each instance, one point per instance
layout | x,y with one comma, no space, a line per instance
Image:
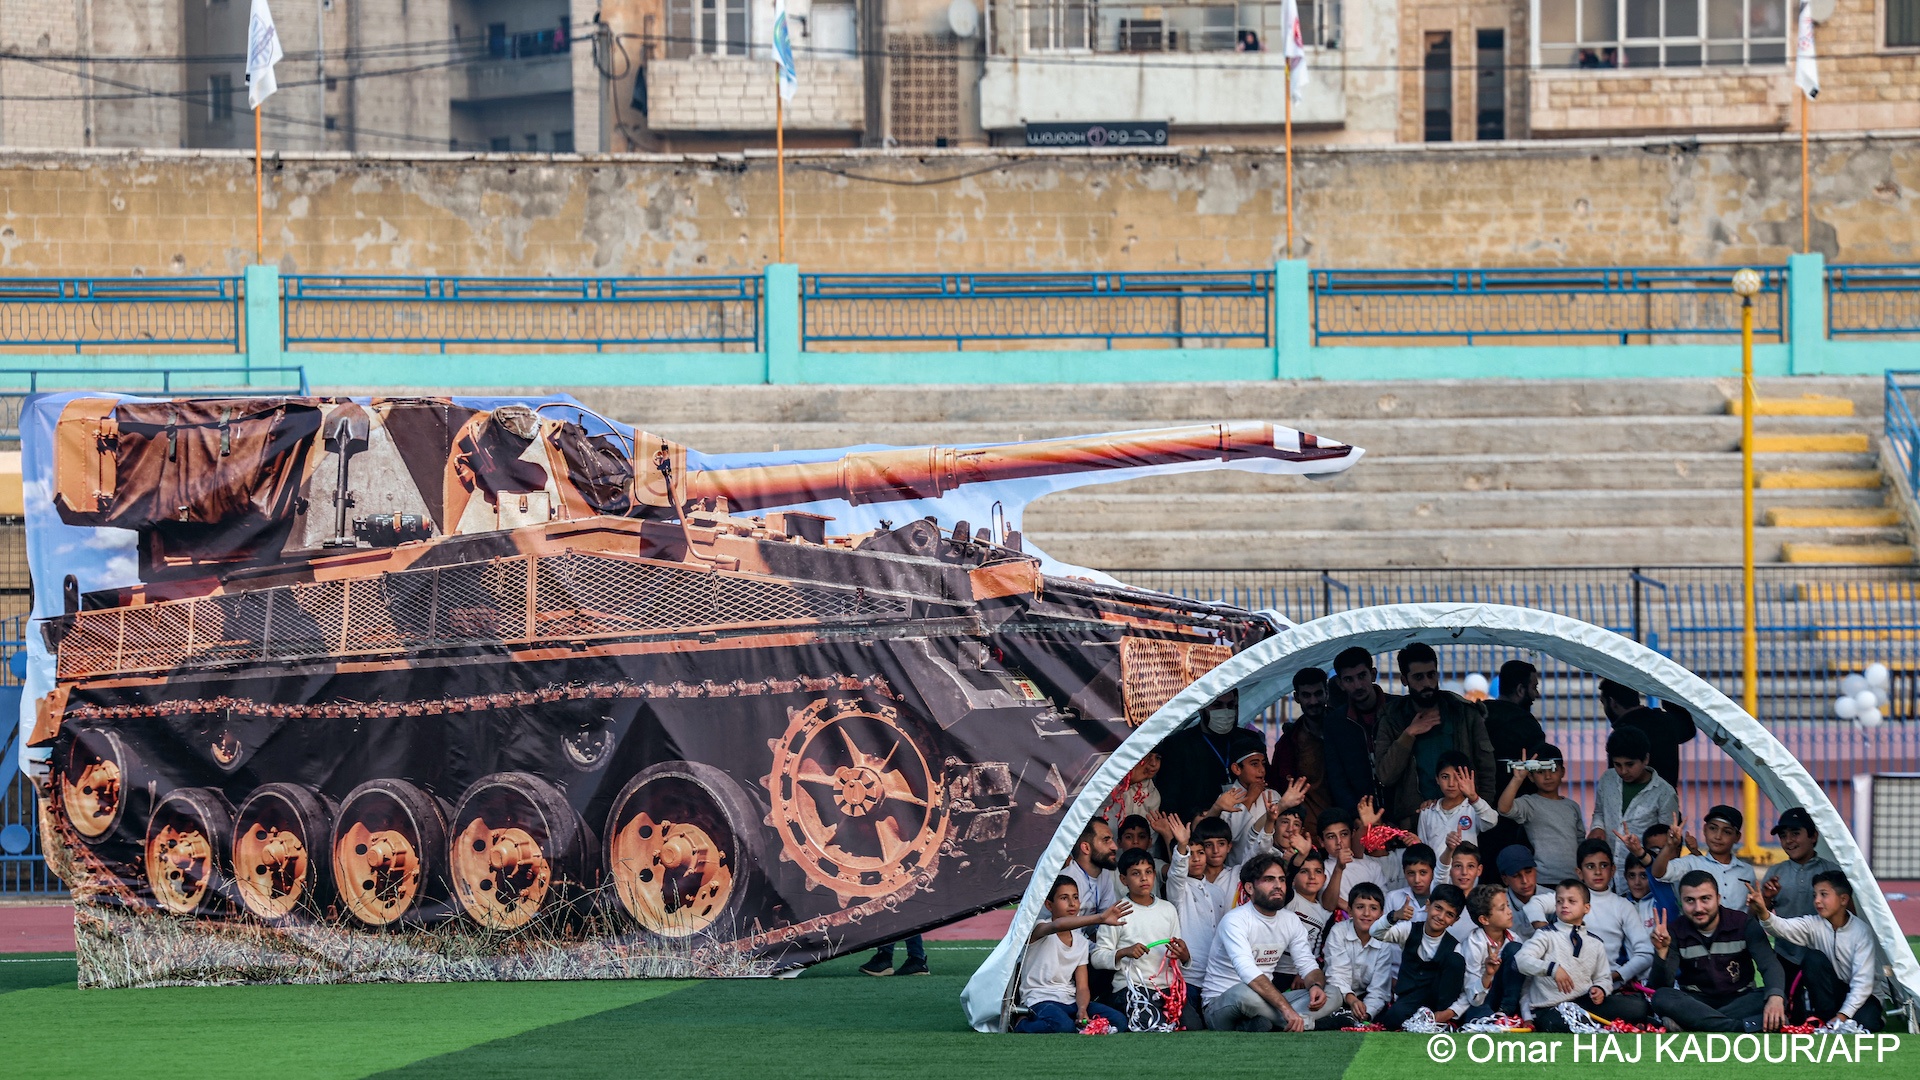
964,19
1822,10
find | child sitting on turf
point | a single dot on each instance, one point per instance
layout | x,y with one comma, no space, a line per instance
1734,875
1201,885
1565,963
1137,950
1409,902
1359,966
1554,823
1432,971
1532,909
1840,962
1053,977
1492,983
1460,813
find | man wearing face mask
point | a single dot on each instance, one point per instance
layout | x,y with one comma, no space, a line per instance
1194,762
1417,729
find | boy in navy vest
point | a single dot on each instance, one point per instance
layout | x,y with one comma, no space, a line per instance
1713,955
1432,969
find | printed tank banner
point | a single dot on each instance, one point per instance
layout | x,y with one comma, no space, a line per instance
330,689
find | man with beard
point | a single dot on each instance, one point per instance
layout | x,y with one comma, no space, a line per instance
1350,728
1093,868
1238,991
1416,730
1511,725
1195,761
1713,955
1301,751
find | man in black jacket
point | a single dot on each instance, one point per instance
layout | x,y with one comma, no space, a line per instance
1350,726
1666,727
1513,730
1194,762
1714,955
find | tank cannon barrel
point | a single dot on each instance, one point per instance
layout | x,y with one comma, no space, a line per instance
926,472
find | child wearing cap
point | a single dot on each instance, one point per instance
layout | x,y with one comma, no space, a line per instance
1788,886
1532,909
1734,875
1249,805
1553,821
1460,813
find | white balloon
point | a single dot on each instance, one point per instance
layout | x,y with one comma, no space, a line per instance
1853,684
1477,683
1845,707
1879,698
1878,676
1869,718
1866,700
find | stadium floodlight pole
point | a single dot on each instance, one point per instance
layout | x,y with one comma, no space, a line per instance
1746,283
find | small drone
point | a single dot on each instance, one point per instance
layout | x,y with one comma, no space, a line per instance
1530,765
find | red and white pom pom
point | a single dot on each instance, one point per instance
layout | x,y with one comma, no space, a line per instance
1097,1026
1376,839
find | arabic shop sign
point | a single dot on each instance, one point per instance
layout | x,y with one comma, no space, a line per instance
1140,133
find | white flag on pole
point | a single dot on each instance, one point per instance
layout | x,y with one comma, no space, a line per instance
263,51
1296,48
1806,69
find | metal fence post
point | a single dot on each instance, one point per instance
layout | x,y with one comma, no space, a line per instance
780,297
1806,313
1292,319
264,341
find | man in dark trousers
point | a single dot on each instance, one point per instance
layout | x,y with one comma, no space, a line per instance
1513,730
1432,971
1417,729
1714,954
1195,761
1666,727
1351,723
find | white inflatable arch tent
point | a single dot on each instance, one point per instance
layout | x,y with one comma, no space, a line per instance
1264,672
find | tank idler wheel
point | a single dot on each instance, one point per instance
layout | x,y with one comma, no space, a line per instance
188,838
96,780
683,848
389,841
282,851
516,843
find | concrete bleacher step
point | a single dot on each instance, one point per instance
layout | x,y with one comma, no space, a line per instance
1828,516
1817,443
1804,405
1819,478
1881,552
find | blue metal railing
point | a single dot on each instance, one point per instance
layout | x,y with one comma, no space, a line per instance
1617,303
23,870
1903,434
1185,308
1882,298
80,312
438,312
213,381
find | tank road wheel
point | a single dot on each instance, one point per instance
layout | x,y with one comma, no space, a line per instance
683,848
516,842
388,843
188,838
858,806
282,850
96,780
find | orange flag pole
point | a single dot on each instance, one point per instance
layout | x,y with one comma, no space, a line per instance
780,158
1287,93
259,198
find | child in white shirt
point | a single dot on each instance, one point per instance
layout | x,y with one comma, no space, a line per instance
1567,963
1460,814
1409,902
1201,884
1359,966
1053,976
1138,950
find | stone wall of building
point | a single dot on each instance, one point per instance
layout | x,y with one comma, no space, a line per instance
729,93
1567,203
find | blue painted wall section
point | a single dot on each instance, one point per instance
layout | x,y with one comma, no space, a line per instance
1293,355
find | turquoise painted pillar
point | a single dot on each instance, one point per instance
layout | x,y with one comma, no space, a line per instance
263,317
1292,319
1806,313
780,306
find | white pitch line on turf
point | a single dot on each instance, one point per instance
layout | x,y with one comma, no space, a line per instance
39,960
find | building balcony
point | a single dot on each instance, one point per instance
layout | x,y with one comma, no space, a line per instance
496,78
736,93
1186,89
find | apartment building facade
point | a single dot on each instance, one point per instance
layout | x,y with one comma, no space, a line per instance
546,76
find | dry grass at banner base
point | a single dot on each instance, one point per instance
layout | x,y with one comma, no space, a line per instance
118,946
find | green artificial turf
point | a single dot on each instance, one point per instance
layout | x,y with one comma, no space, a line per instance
832,1022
